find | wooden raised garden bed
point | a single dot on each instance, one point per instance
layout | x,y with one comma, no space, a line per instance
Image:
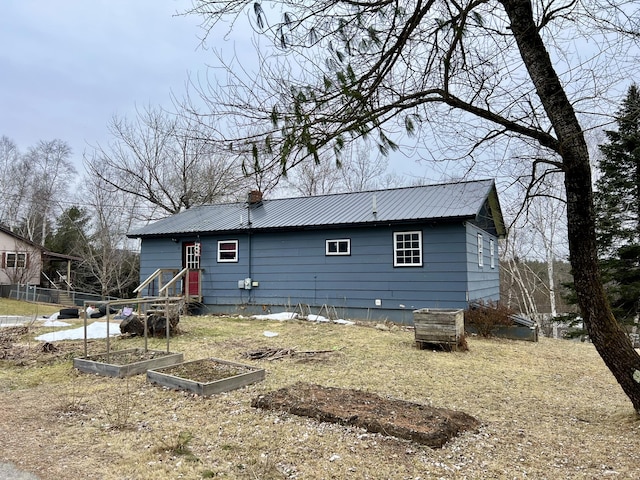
124,363
438,326
206,376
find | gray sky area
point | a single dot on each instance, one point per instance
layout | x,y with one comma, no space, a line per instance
67,66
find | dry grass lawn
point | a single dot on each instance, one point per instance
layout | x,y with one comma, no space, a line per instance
15,307
548,410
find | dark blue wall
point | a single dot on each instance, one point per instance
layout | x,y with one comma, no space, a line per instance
483,281
292,268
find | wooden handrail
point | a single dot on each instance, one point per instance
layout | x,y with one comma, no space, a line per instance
165,290
171,282
149,279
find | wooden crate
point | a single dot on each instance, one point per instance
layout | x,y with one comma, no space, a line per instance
438,326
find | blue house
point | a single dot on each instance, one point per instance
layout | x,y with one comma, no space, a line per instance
376,254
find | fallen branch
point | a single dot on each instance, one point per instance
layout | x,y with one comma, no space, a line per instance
278,353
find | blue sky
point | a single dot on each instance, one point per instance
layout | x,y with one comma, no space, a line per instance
67,66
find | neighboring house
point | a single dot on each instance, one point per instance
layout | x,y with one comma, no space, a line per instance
376,254
21,260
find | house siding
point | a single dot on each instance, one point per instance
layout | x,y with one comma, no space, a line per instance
483,281
291,268
29,274
281,247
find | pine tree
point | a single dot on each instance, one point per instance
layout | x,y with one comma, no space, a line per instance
617,204
70,232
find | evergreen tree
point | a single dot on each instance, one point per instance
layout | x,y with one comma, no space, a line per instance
617,204
70,231
70,238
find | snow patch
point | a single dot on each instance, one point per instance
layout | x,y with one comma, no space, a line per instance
276,316
54,323
340,321
292,316
94,330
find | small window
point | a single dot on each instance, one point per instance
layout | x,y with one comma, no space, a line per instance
338,247
16,260
407,249
480,251
492,254
228,251
11,260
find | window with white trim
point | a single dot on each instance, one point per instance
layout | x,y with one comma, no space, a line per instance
227,250
492,254
340,246
480,251
407,249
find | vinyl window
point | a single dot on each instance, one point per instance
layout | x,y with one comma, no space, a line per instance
338,247
228,251
480,251
407,249
492,254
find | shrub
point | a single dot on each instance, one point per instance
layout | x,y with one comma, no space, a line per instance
487,316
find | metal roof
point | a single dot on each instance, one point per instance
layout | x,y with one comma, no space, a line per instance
461,200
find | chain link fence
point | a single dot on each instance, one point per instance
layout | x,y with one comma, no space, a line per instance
32,293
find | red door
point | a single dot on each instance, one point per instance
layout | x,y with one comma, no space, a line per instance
192,262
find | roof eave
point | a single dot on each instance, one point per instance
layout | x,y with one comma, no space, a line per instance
290,228
496,212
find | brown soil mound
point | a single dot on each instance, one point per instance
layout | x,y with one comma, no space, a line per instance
412,421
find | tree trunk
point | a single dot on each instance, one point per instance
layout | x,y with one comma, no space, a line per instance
610,340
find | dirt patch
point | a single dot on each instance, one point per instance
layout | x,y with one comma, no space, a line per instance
16,349
412,421
127,357
205,371
9,336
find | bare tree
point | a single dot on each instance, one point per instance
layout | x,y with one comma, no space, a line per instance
538,233
97,234
9,181
43,175
310,179
164,160
365,169
519,282
111,257
547,221
485,69
359,169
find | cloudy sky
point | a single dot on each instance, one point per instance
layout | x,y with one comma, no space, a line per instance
67,66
